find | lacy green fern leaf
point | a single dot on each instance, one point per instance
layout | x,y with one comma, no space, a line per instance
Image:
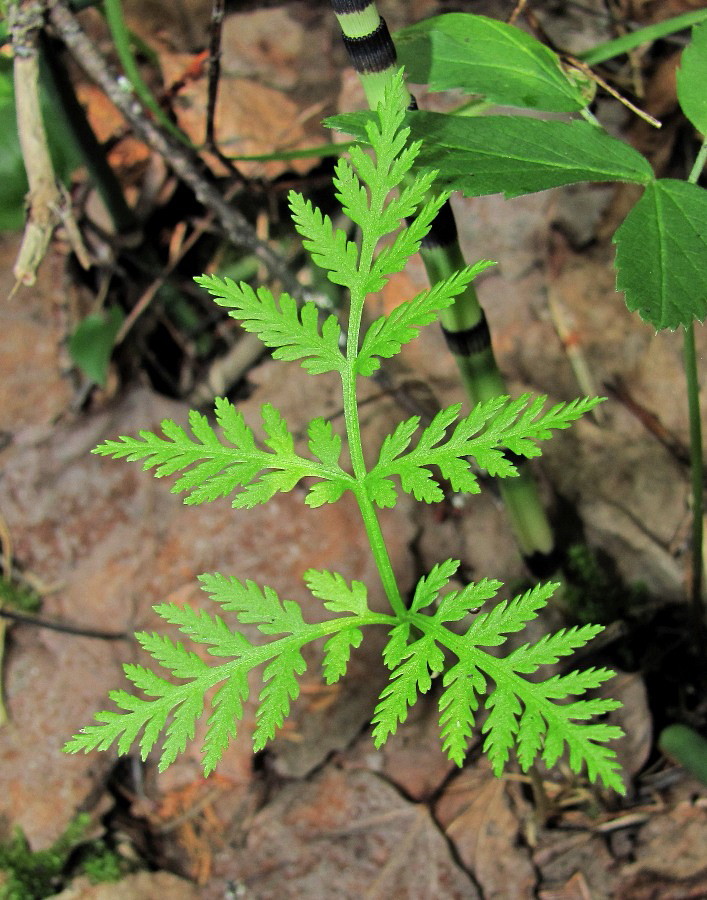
429,586
463,684
490,629
534,719
412,677
222,725
491,428
214,468
455,605
330,249
385,337
254,605
337,652
324,443
396,649
293,332
525,714
281,687
338,596
172,710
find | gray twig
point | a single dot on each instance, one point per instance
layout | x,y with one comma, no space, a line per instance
236,227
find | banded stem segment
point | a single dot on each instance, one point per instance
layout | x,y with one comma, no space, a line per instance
372,54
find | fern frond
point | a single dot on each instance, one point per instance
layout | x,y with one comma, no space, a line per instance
202,628
526,714
181,663
412,677
385,336
330,249
464,685
213,468
523,715
227,706
429,586
180,705
281,687
351,193
492,427
396,649
489,629
338,597
337,652
293,332
172,709
324,443
407,202
536,719
551,647
254,605
501,726
455,605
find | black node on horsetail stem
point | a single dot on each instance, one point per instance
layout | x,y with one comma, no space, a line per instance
373,56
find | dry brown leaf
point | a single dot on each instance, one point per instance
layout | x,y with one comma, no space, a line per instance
476,815
348,835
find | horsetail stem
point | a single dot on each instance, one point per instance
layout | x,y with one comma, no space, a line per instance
373,56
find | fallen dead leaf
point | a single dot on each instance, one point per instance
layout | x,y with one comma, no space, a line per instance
477,817
343,834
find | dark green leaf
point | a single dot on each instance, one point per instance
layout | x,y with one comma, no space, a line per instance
517,155
487,57
91,345
661,250
513,155
692,78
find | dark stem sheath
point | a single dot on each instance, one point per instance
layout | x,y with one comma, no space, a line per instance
372,53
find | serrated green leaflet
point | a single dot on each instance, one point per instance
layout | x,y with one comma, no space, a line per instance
490,428
516,155
293,333
385,337
337,595
337,651
215,466
661,249
270,631
483,56
408,680
692,78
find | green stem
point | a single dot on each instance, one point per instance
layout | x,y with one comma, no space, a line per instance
699,164
358,464
353,436
696,473
483,380
696,464
647,35
373,55
121,38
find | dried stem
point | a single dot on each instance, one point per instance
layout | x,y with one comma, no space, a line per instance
47,201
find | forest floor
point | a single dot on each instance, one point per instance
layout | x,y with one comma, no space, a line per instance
320,813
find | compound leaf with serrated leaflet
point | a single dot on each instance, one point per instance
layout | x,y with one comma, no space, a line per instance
661,247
